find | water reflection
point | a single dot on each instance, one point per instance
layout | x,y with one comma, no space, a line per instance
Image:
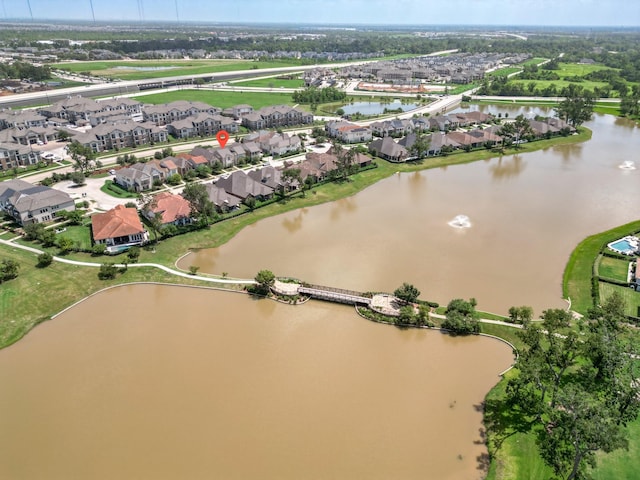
507,167
294,223
343,206
569,152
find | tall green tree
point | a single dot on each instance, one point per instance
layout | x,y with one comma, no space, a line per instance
265,280
420,147
83,158
407,293
577,107
201,206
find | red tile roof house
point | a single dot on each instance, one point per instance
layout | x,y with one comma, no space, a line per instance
173,209
118,229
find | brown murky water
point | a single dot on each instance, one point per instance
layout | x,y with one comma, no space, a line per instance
527,211
168,382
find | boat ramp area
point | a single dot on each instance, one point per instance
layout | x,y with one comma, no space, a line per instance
380,302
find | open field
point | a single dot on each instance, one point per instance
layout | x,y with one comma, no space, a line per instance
631,297
143,69
272,82
613,268
220,98
534,61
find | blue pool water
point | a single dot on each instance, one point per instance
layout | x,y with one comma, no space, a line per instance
623,246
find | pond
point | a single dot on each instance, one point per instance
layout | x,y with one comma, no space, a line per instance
377,108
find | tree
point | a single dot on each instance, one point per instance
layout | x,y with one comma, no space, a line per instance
198,198
193,269
8,269
407,293
82,157
291,178
108,271
99,249
420,147
577,107
406,315
580,389
522,314
65,244
265,280
133,254
44,260
461,317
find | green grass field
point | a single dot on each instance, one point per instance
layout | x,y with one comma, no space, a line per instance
534,61
576,281
80,234
613,268
631,297
272,82
221,99
129,70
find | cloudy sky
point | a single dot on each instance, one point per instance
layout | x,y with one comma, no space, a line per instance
429,12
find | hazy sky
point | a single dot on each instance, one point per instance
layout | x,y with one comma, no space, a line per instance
430,12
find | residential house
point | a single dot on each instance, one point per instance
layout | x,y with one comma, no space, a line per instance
119,228
172,209
388,149
78,109
203,124
21,119
238,111
465,140
241,185
437,140
29,135
143,176
395,127
13,155
223,201
120,135
174,111
276,116
28,203
348,132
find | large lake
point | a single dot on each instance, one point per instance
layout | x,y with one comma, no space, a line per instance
166,382
527,213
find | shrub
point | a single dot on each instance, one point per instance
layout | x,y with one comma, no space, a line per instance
44,260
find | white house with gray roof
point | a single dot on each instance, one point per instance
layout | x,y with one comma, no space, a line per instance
28,203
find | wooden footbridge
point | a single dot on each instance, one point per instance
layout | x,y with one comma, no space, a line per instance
334,295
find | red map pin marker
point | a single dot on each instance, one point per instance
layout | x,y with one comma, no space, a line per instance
223,137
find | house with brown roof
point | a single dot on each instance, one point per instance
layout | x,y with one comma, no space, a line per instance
119,229
172,209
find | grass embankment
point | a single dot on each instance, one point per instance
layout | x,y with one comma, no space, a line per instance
604,107
115,190
220,98
129,70
577,278
271,82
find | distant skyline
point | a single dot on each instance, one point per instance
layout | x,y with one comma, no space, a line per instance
611,13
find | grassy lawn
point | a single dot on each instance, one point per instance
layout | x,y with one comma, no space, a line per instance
272,82
503,72
542,84
80,234
534,61
613,268
621,464
576,282
115,190
221,99
165,68
631,297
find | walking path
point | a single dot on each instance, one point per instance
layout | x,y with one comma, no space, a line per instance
171,271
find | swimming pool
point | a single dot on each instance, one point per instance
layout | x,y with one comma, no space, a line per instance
626,245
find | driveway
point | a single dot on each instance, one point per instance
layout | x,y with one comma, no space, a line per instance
91,192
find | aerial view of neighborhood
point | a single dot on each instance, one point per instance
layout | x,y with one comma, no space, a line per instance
319,239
